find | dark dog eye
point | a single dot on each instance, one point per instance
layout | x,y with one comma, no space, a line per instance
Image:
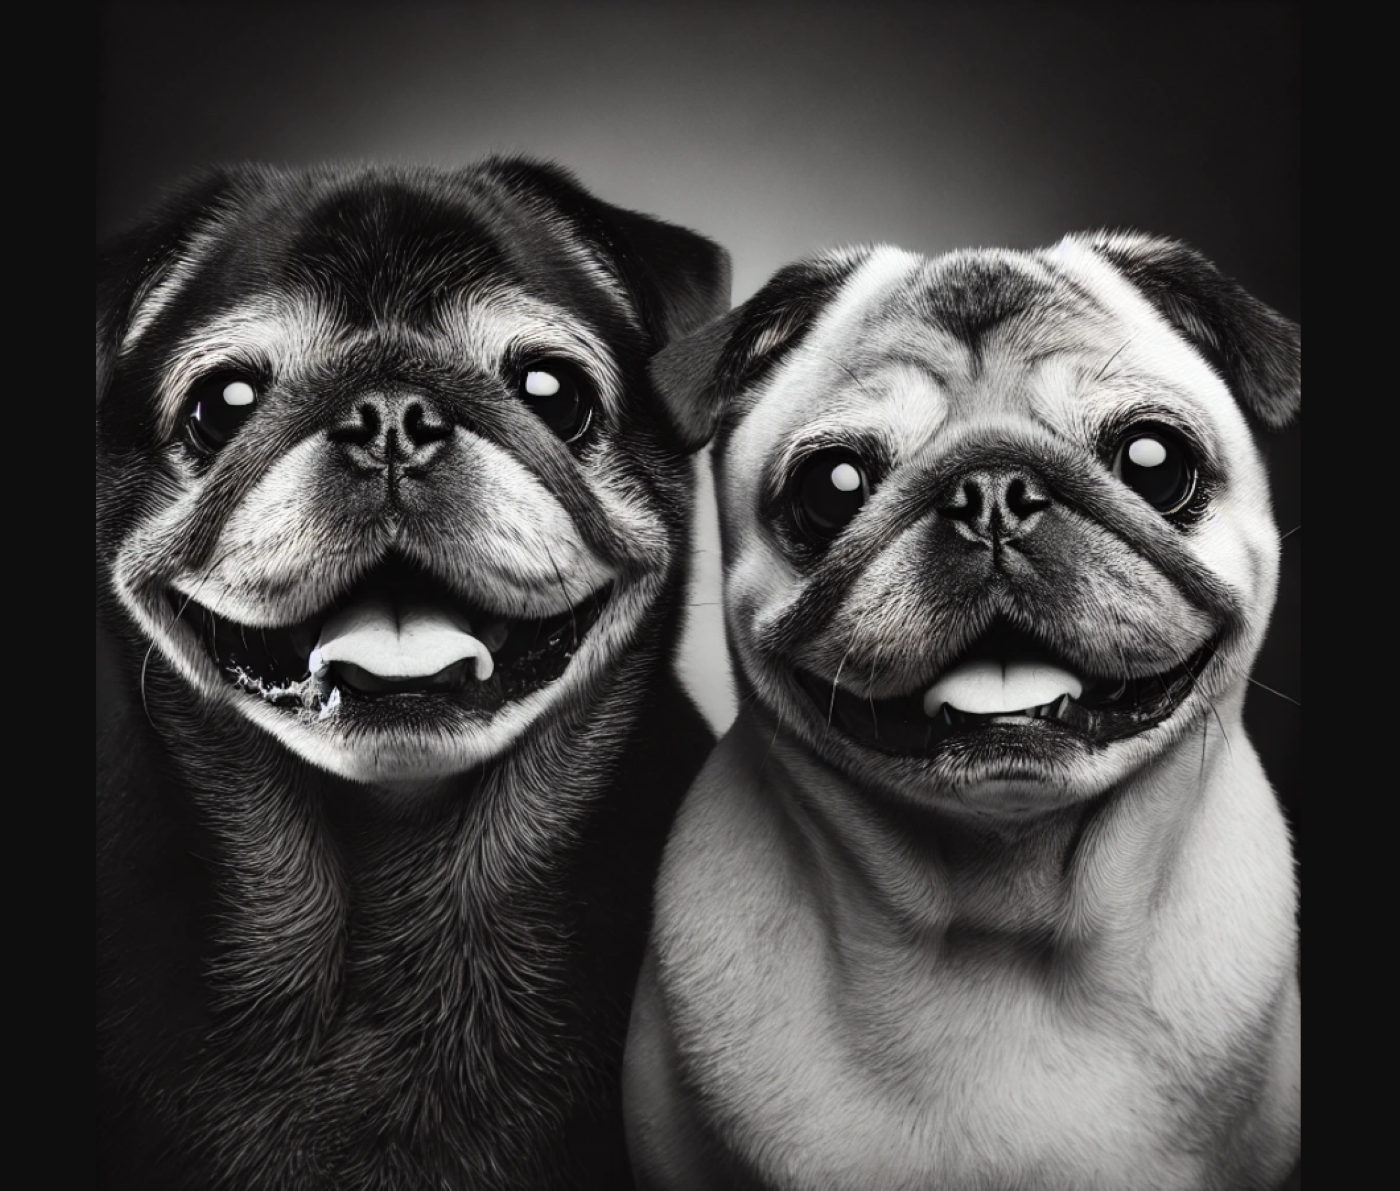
1155,464
218,406
830,490
559,396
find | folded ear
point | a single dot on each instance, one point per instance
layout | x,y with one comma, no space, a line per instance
131,267
700,376
1256,350
678,279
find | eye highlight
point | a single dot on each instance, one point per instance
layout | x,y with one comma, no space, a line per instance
1157,464
560,397
218,406
828,491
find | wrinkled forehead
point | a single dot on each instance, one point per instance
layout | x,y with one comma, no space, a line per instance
912,344
374,252
307,272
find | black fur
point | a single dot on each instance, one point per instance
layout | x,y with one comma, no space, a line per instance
303,983
699,376
970,298
1257,351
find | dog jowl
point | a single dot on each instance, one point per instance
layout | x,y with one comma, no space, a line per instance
986,887
391,530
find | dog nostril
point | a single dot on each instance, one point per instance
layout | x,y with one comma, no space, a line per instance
421,429
965,504
360,433
1023,500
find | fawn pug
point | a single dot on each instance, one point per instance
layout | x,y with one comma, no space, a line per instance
985,888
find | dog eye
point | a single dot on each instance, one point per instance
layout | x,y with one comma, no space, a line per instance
831,488
218,406
559,396
1155,464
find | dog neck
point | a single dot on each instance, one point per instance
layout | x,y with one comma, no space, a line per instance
1043,884
285,913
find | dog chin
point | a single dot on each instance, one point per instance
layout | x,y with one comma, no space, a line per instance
1038,759
415,746
376,733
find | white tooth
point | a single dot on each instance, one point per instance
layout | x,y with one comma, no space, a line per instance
991,687
330,706
416,642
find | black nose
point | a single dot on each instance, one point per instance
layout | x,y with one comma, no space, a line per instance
995,505
392,430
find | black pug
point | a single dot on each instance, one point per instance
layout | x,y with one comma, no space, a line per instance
392,535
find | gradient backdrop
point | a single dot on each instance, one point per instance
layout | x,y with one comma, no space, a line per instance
777,129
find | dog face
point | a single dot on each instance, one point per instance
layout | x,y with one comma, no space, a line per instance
380,466
996,532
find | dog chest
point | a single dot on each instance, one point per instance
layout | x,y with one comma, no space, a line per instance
839,1058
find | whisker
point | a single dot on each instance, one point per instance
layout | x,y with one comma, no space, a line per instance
1098,376
1248,678
174,620
1235,670
1205,739
145,661
855,379
831,708
777,727
1290,533
564,591
1280,694
1225,736
870,698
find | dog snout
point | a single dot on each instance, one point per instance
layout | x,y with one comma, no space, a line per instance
400,431
995,506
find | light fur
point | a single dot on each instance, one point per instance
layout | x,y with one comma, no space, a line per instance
877,971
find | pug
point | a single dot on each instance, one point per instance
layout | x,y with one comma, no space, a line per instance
986,887
391,534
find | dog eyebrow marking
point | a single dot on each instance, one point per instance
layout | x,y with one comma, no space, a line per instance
482,330
599,271
492,325
164,285
281,332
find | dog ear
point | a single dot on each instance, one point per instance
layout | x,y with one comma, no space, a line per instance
678,279
698,377
1256,350
132,265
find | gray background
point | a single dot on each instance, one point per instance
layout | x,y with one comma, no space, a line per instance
777,129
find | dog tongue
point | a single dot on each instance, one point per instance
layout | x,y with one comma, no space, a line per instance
989,686
410,641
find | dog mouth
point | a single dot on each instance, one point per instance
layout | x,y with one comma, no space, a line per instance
399,637
1008,681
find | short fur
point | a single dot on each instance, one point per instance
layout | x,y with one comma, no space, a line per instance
1026,958
394,954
